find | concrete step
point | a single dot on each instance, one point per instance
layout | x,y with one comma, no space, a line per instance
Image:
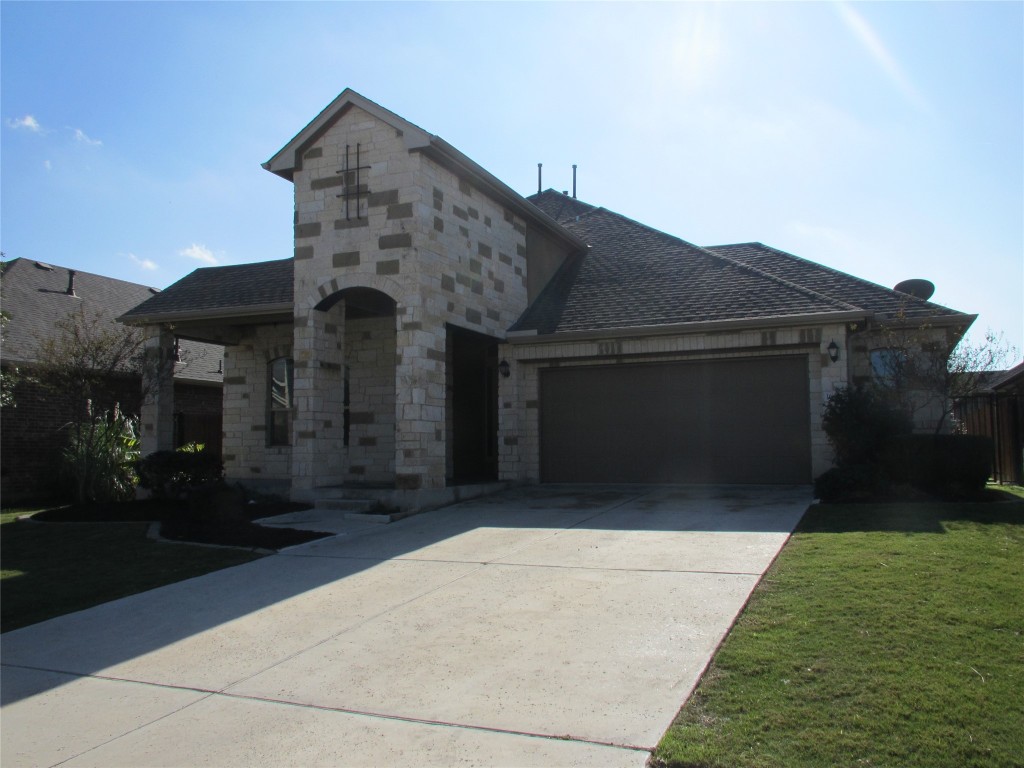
345,505
361,509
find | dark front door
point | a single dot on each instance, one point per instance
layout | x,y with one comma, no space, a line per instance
473,402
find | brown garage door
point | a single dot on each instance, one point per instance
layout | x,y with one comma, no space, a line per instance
721,421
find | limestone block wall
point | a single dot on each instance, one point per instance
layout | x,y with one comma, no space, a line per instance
519,404
439,247
370,356
247,456
318,450
927,407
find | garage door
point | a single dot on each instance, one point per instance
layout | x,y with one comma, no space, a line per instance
721,421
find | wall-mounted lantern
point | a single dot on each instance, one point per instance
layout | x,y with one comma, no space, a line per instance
833,351
504,369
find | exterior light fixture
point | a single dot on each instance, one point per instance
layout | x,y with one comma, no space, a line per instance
504,369
177,351
833,351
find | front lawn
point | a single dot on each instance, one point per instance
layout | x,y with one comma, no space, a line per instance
884,635
50,569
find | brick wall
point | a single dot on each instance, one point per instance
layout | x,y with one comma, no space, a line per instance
33,433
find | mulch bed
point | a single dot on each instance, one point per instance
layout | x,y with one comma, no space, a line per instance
232,526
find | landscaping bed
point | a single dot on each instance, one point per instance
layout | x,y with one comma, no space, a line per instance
230,524
885,634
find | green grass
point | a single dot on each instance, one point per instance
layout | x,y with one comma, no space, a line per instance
883,635
50,569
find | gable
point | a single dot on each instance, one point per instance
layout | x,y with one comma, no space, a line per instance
288,159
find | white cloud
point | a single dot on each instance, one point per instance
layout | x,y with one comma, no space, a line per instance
146,264
81,137
872,43
199,253
47,165
27,122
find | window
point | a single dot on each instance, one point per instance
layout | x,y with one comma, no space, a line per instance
887,365
279,420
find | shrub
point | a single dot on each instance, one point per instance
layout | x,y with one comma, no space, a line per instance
950,465
171,474
847,483
859,424
100,457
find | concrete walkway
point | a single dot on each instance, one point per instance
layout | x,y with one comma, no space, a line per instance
544,626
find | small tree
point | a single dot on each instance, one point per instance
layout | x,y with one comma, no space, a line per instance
84,361
931,369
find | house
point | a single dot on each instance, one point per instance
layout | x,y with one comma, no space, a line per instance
434,328
36,299
997,411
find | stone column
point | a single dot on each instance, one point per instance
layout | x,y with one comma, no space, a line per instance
420,406
318,453
158,388
510,412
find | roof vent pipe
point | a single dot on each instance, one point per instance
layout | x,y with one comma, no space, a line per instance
539,165
574,181
71,283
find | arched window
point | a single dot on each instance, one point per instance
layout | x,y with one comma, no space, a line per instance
281,378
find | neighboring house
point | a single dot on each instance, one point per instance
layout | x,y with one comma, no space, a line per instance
435,328
36,298
997,411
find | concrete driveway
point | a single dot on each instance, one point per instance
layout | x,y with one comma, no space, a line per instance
547,626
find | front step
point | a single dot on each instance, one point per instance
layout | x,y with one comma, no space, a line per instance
357,501
361,509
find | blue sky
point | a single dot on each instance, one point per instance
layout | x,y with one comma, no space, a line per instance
882,139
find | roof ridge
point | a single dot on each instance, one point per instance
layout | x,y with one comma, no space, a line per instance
53,266
891,291
788,283
740,265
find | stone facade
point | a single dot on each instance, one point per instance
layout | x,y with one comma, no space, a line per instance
428,251
410,264
248,456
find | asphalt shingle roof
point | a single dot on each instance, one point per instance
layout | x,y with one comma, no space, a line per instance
34,297
632,276
861,293
218,289
635,276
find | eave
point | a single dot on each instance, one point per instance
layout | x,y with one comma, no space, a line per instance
675,329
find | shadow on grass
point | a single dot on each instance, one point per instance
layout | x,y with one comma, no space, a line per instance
993,507
224,523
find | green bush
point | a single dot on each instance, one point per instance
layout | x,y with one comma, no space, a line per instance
859,424
172,474
99,459
844,483
947,465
